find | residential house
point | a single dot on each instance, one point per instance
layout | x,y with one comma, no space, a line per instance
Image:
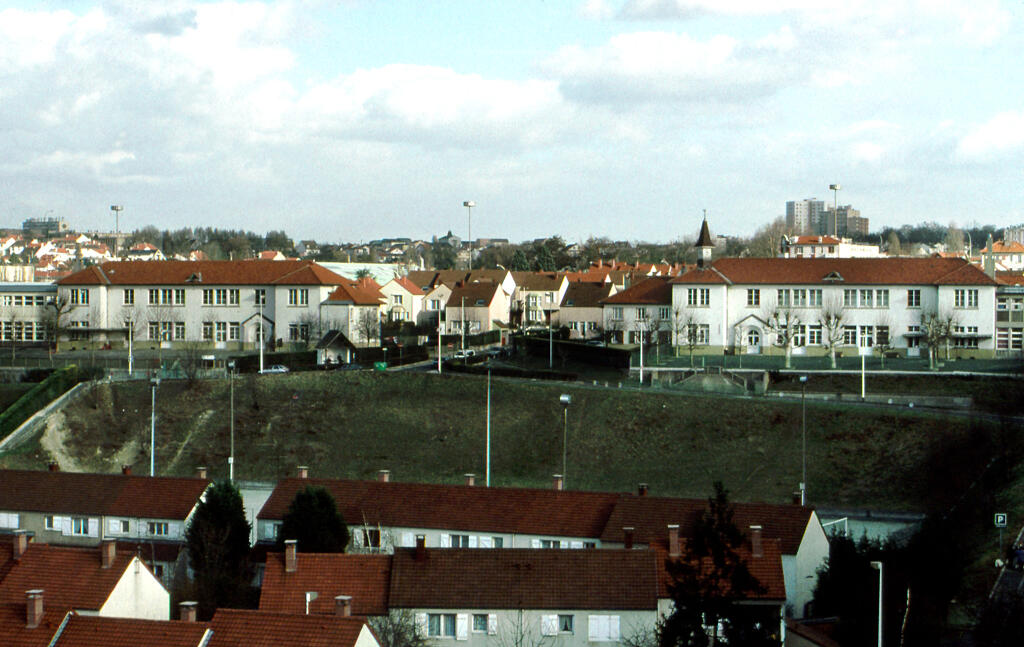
476,307
427,279
538,296
40,584
81,630
827,247
145,252
434,301
76,509
354,309
217,304
403,299
1009,256
385,515
250,628
307,248
642,311
581,310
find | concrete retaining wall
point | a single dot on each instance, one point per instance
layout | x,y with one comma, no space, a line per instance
37,421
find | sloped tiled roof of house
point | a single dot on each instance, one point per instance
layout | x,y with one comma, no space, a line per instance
247,272
999,247
650,517
360,293
162,497
524,578
476,294
847,271
565,513
82,582
814,240
650,291
408,285
96,631
248,628
366,578
16,634
538,281
1010,278
586,295
767,569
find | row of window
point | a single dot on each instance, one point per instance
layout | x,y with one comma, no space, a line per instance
211,297
84,526
22,331
1009,339
600,627
26,300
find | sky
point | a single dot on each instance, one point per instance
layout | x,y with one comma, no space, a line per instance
353,120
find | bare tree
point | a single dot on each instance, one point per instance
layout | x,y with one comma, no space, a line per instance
397,629
10,317
831,318
785,323
612,326
58,311
518,632
647,326
937,329
191,360
368,325
883,336
685,325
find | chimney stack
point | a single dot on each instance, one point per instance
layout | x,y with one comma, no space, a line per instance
201,472
20,543
673,540
642,489
33,608
291,557
343,605
303,472
126,470
627,537
53,466
187,611
108,550
383,476
470,479
559,481
421,548
756,547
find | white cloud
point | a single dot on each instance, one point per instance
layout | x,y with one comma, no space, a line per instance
1002,133
596,10
867,152
683,9
30,39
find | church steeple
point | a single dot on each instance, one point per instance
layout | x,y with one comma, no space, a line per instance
704,244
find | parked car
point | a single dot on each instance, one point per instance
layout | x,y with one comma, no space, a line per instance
276,368
465,353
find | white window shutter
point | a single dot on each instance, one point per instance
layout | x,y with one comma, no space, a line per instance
549,625
575,544
534,543
563,544
408,540
472,541
113,526
462,626
486,542
357,537
446,541
613,627
421,624
174,530
94,527
492,624
65,526
595,630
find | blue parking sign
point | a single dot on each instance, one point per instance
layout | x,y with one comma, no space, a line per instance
1000,520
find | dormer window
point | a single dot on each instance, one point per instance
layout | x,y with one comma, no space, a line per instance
195,277
833,276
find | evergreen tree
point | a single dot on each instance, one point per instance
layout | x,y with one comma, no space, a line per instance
519,262
313,519
218,548
545,261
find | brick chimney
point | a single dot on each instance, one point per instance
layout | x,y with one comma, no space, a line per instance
108,551
126,470
470,479
627,537
641,489
343,605
303,472
33,608
20,543
558,481
383,475
756,547
201,472
291,555
421,548
673,540
187,611
53,466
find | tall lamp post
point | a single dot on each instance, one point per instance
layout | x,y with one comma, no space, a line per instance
878,567
117,209
231,457
469,204
566,400
835,189
803,434
153,383
488,476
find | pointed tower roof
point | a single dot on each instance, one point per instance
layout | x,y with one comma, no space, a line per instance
704,240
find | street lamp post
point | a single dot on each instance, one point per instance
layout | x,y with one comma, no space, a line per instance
835,189
469,204
153,383
803,427
878,567
566,400
231,457
488,452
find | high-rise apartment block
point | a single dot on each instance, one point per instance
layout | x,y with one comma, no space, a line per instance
813,217
804,216
1014,235
843,221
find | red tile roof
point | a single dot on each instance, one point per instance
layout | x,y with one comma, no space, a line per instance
1010,278
96,631
247,628
14,632
853,271
473,293
161,497
655,290
524,578
355,293
650,517
364,577
767,569
538,281
245,272
586,295
563,513
408,285
999,247
82,582
814,240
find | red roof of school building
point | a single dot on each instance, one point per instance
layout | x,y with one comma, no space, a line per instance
200,273
248,628
838,271
162,497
